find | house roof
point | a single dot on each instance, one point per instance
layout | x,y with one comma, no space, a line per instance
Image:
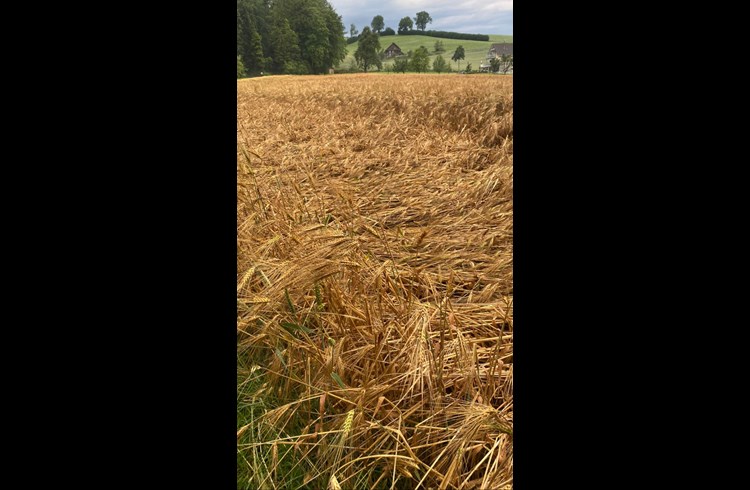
393,46
502,48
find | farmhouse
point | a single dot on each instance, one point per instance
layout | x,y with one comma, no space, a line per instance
393,50
497,50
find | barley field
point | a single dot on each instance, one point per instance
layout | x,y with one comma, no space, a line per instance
375,282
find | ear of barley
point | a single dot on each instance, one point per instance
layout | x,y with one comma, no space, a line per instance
333,483
348,422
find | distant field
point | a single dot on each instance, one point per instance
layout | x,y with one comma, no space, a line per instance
476,51
375,282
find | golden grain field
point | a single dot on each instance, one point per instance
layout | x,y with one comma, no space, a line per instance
375,282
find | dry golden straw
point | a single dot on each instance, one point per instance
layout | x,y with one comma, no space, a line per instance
375,282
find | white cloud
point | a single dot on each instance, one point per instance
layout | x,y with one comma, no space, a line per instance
471,16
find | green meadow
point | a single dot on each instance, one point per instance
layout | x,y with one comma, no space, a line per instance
475,51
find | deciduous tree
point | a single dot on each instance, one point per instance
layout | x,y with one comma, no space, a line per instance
439,65
367,50
458,55
401,64
421,60
422,19
405,25
377,24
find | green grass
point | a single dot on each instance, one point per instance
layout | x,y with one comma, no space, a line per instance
256,467
475,51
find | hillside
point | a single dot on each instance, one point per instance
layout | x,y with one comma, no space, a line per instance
475,51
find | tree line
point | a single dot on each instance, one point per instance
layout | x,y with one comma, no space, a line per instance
288,36
419,60
446,35
406,28
378,26
405,24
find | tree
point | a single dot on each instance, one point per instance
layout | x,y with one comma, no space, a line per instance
405,25
246,37
285,53
468,68
295,36
422,19
240,32
506,63
458,55
495,65
252,16
421,60
254,60
439,64
353,30
240,67
439,46
388,32
336,40
401,64
367,50
319,30
377,24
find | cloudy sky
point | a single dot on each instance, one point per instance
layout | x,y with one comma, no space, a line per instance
471,16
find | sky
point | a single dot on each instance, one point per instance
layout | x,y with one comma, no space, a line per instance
469,16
